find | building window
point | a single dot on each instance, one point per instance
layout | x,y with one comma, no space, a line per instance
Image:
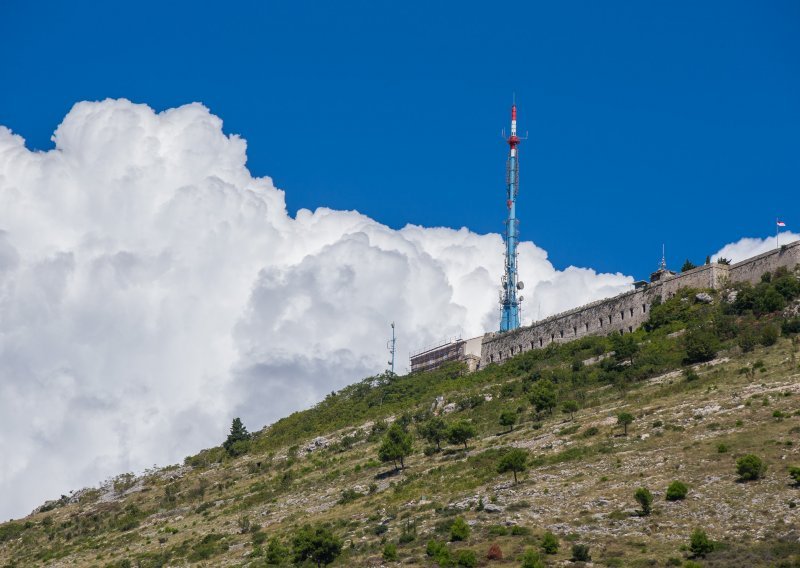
630,329
587,326
601,322
631,312
491,358
541,342
609,319
512,351
532,344
622,315
562,333
644,308
552,337
575,329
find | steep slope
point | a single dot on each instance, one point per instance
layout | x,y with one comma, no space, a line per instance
705,384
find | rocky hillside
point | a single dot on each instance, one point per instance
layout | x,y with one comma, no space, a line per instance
583,427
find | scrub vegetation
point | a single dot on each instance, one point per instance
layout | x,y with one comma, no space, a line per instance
607,449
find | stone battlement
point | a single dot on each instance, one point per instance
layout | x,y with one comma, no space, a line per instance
627,312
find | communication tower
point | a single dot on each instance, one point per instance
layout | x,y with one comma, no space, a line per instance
510,284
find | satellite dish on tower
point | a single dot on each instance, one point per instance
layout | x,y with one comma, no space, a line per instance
520,285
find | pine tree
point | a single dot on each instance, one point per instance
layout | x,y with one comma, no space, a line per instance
233,445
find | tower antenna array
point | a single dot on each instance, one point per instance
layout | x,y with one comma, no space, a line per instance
509,302
391,345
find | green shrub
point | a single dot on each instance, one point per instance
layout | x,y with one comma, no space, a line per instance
467,558
316,543
701,345
498,530
519,530
699,543
645,499
531,559
590,431
794,473
459,530
549,543
580,553
460,432
390,552
790,326
750,467
769,335
677,491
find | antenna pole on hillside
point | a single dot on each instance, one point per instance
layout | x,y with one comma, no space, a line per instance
391,345
777,228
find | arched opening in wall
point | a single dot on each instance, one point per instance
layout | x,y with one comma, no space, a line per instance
622,315
630,329
587,326
601,322
512,351
520,348
609,319
575,329
532,344
552,337
491,358
562,333
644,308
622,332
631,312
541,342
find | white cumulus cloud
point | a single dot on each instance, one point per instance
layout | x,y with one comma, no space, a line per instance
151,289
752,246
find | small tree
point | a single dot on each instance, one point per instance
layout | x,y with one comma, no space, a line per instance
549,543
459,530
645,499
316,543
625,348
570,407
677,491
543,396
507,419
750,467
460,432
433,431
236,444
396,446
700,544
515,461
624,419
723,260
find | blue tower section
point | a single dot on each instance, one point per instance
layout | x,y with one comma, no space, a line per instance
510,304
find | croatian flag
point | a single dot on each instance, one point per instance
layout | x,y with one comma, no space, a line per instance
781,224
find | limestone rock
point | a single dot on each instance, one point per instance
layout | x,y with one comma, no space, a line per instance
704,298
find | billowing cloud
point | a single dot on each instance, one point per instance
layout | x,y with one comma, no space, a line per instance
151,289
749,246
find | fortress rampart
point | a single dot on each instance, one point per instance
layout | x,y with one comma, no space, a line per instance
628,311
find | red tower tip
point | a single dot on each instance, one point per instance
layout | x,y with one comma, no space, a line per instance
513,112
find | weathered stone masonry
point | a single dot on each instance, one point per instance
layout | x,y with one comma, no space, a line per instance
628,311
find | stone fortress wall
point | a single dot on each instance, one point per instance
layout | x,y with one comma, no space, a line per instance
628,311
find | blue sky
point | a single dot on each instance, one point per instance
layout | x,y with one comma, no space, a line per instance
649,122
